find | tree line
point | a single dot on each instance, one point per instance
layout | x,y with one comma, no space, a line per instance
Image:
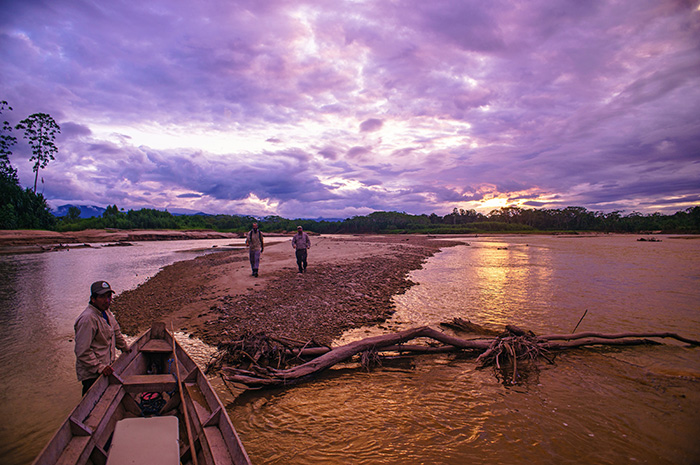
506,219
25,208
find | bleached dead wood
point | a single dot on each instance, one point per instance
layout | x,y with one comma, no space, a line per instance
505,350
567,337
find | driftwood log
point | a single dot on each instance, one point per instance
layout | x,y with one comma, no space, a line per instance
460,324
503,352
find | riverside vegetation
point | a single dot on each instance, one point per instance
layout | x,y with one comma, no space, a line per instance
502,220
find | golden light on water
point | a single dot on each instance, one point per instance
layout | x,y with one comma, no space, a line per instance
495,282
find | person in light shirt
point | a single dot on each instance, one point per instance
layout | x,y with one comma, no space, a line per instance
97,336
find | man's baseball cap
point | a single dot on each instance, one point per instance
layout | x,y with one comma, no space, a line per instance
100,287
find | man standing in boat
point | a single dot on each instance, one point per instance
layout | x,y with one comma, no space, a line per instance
301,243
254,241
97,336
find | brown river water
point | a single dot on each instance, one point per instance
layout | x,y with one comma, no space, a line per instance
607,405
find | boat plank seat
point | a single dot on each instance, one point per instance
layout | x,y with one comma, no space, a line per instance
209,422
158,346
145,441
76,451
218,447
96,415
148,383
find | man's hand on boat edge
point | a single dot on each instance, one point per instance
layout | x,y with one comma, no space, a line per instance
108,370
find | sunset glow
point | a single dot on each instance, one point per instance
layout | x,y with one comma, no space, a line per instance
326,109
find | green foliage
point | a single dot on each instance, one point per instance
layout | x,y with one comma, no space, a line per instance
225,222
23,208
148,218
111,210
73,213
7,140
19,208
512,220
40,130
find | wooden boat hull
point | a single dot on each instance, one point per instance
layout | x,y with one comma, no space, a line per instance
145,384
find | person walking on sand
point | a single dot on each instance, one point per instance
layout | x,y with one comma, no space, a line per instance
254,241
97,336
301,243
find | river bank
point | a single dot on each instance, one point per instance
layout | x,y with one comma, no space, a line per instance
35,241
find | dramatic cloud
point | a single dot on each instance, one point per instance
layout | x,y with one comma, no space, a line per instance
335,109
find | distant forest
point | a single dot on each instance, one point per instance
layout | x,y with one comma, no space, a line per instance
507,219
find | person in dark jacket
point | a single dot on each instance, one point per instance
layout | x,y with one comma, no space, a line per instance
301,243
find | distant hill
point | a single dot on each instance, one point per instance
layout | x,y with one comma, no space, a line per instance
86,211
90,211
185,212
320,218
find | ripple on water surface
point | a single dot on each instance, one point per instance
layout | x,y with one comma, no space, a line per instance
604,405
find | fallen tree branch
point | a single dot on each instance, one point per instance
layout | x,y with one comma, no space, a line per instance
567,337
598,341
510,353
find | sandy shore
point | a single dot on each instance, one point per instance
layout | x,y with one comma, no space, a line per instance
34,241
349,283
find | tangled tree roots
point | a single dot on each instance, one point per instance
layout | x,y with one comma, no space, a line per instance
370,359
259,351
513,353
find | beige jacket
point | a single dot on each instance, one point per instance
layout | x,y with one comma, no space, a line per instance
96,342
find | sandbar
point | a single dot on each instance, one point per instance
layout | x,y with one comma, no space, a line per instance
349,283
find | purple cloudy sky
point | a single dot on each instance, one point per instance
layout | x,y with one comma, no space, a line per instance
344,107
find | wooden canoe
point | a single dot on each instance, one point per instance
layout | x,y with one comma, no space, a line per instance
145,385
